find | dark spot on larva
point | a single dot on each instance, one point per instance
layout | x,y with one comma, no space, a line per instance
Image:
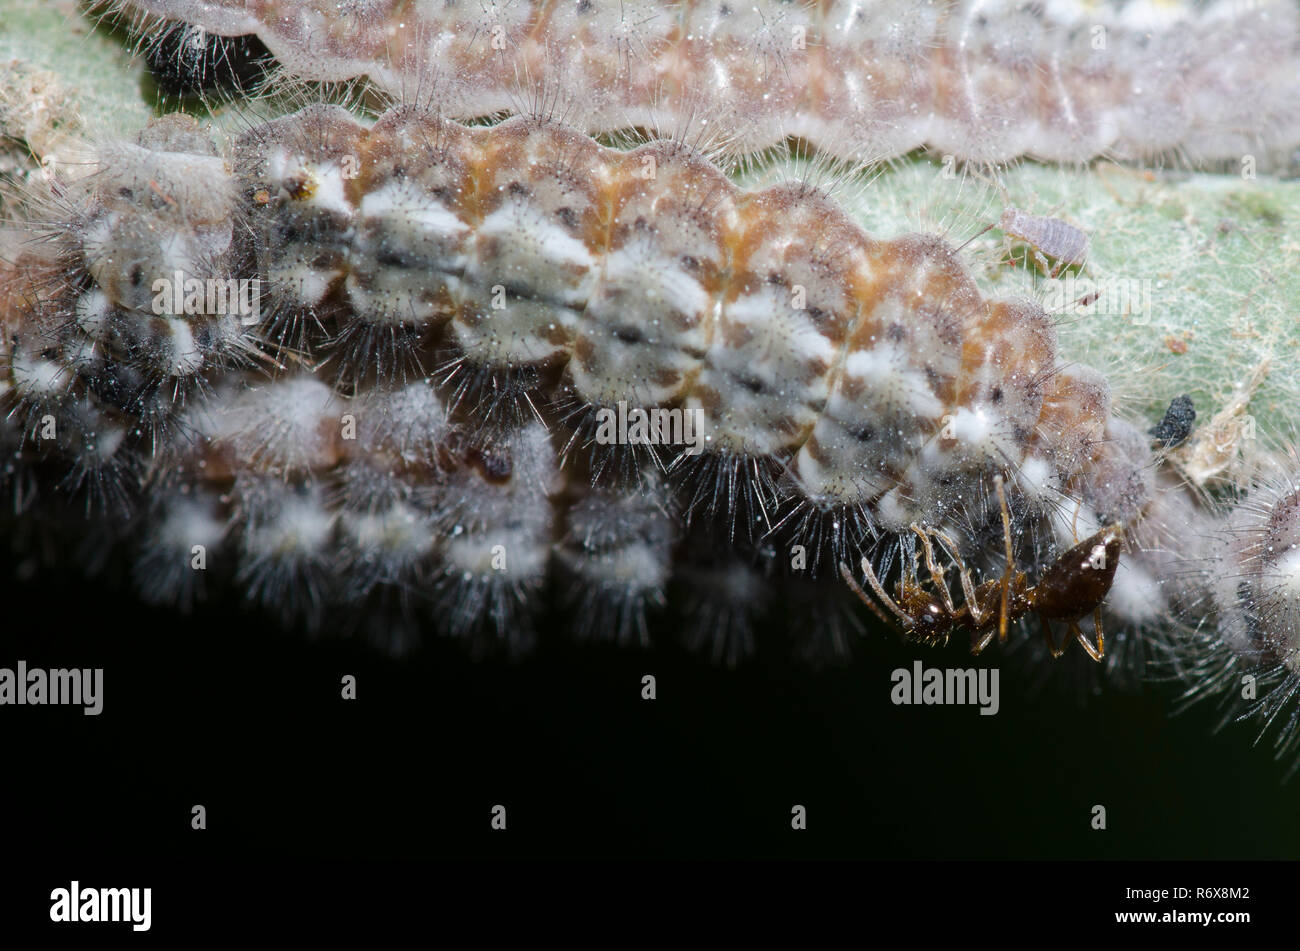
137,276
896,332
628,335
568,217
584,6
494,465
724,10
390,257
818,315
126,193
996,395
399,170
689,263
517,189
751,383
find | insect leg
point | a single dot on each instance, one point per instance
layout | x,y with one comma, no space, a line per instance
1006,576
1093,652
936,576
1047,636
1041,260
880,592
967,586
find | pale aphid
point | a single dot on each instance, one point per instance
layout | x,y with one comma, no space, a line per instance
1049,237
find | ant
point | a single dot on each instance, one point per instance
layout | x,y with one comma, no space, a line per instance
1074,584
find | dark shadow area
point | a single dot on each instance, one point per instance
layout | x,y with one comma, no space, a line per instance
224,709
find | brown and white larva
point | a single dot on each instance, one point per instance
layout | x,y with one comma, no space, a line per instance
845,386
985,81
646,278
1238,643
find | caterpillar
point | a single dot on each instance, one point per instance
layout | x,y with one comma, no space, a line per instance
984,81
382,442
840,381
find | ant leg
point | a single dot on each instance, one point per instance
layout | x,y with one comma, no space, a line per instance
936,577
977,646
967,586
1072,632
1047,636
880,593
1086,644
1101,635
1006,575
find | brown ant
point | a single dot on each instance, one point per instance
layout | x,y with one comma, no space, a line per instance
1071,586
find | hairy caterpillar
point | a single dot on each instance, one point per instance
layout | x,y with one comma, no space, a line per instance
846,386
1240,638
985,81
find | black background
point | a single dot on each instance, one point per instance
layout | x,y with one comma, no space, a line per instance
225,709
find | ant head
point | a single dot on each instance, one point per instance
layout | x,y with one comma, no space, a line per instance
931,623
